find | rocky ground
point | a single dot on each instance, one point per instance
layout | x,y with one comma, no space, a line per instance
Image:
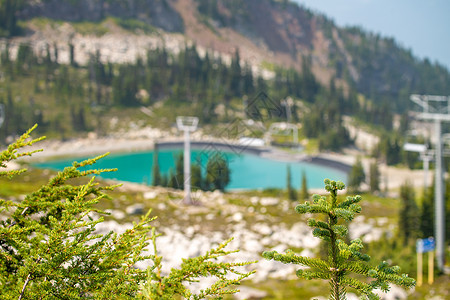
257,222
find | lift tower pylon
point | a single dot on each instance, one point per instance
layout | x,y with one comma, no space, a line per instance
437,109
187,125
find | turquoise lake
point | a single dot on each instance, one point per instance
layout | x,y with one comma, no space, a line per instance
248,171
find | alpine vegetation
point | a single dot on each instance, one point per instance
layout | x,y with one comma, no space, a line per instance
346,266
49,248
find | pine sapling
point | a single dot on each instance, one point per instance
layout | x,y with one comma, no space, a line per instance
344,260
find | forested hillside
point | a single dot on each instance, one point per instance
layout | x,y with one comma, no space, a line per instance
230,55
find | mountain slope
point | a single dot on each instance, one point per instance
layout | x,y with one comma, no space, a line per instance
155,12
268,33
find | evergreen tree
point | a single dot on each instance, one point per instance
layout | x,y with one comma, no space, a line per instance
196,177
345,264
8,17
374,177
72,55
217,172
356,176
25,58
304,194
409,215
235,74
78,119
57,254
427,212
179,171
172,180
49,248
156,173
292,194
165,180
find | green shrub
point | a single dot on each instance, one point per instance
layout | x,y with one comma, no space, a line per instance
346,263
49,248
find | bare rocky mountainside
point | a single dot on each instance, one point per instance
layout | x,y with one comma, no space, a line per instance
157,13
267,33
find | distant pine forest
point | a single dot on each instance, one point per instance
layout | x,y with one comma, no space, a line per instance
65,99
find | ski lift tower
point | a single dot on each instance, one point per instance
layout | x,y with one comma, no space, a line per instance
188,125
437,109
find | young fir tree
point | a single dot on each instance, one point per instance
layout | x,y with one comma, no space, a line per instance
344,260
49,248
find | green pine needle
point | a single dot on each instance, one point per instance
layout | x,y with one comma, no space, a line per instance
345,260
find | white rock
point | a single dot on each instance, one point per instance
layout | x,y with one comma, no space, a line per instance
395,293
254,200
358,229
249,293
190,231
210,217
135,209
262,229
116,214
267,201
161,206
107,226
150,195
382,221
252,245
351,296
237,217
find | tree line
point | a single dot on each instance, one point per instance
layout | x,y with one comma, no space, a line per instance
79,95
34,82
216,175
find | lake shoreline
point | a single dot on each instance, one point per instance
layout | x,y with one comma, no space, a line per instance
390,180
91,147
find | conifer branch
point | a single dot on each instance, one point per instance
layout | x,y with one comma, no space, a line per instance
344,259
166,287
11,153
